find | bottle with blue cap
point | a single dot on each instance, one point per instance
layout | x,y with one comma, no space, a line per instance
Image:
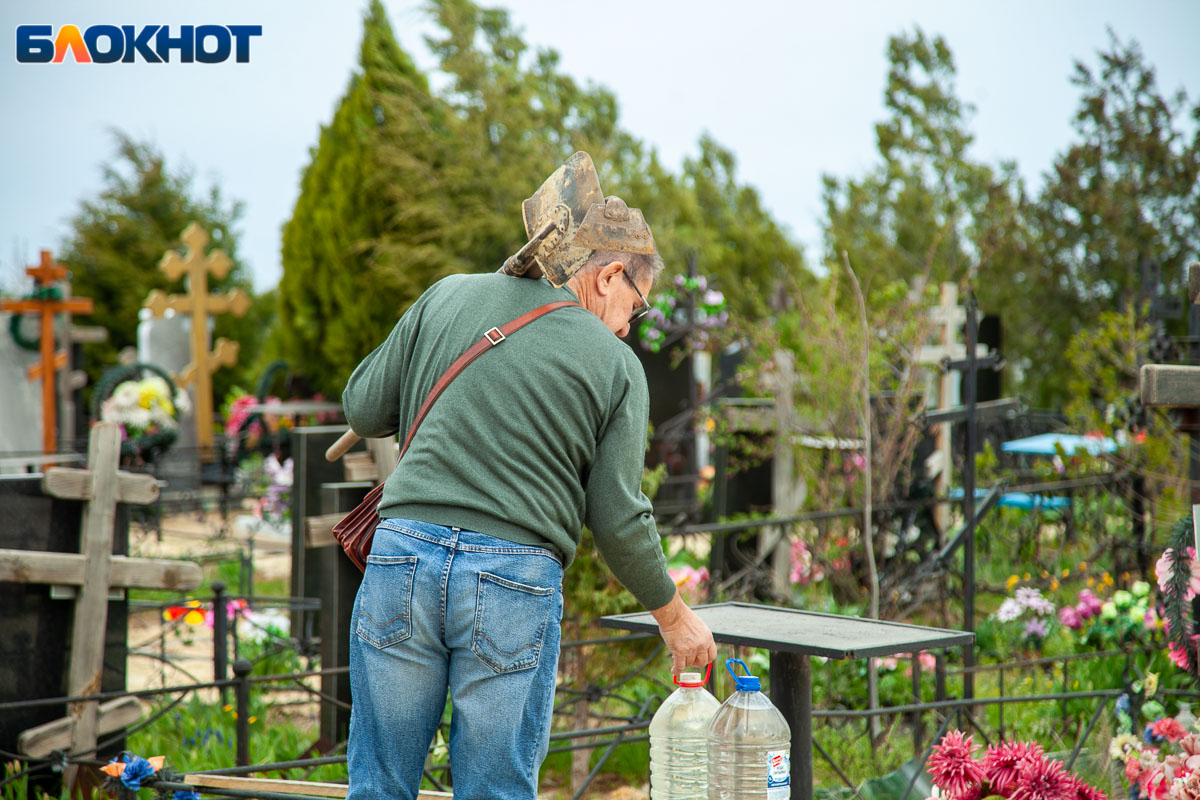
749,745
679,740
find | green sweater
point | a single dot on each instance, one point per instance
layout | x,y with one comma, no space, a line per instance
539,436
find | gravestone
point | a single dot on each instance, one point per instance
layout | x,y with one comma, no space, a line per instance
166,342
21,422
89,575
310,470
36,629
339,584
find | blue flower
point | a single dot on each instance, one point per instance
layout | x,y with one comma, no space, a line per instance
1123,704
185,794
136,770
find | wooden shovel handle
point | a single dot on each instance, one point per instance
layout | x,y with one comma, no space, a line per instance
339,448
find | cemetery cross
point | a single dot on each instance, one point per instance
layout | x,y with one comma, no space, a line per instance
199,303
95,571
45,275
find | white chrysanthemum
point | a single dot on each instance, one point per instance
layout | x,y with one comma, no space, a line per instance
1009,610
138,419
125,396
183,402
157,385
162,417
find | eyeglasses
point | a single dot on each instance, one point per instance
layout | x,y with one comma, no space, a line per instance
641,310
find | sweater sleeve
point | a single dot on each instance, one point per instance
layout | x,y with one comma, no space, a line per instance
617,512
371,399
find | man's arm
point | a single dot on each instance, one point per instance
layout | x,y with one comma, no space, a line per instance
685,634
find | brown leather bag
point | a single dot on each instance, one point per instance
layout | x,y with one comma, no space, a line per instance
356,530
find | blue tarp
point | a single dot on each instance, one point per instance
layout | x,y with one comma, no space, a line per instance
1045,445
1020,499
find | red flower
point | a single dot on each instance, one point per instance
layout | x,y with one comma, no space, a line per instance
1168,727
954,768
1041,779
1002,763
1085,791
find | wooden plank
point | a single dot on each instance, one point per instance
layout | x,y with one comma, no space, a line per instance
114,715
91,607
318,531
307,788
383,453
360,466
68,569
1170,386
76,484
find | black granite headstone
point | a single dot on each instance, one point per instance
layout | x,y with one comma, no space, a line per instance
310,471
35,630
339,586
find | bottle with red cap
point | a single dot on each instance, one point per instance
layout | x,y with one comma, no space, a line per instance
749,745
678,740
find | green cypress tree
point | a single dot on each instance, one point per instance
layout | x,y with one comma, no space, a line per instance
367,234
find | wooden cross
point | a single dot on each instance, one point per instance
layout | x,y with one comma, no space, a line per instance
94,570
199,303
1178,386
44,276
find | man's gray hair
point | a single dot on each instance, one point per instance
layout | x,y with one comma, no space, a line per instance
639,265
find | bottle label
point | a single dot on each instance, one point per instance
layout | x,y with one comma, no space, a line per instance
779,775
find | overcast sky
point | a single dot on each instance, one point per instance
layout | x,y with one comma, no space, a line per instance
792,88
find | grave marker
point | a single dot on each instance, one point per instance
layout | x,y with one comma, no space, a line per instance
199,304
94,570
45,275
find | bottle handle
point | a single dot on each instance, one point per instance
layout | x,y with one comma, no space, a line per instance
729,662
707,675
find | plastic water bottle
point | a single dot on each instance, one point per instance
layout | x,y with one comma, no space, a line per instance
749,745
679,743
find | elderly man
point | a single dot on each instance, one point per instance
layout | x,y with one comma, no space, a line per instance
542,434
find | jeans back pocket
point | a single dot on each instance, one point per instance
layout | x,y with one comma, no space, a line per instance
510,622
385,600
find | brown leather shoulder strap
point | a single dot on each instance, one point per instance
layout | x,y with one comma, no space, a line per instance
490,339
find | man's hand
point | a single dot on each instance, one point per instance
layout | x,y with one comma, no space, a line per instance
685,634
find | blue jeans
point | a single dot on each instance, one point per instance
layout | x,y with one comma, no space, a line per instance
446,609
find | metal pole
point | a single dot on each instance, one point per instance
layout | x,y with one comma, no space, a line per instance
220,643
918,726
791,692
969,496
241,671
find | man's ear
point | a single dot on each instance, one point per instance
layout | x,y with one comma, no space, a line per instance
605,277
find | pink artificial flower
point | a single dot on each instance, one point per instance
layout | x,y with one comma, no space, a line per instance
1151,621
1155,784
954,768
1168,727
688,577
1178,655
1042,779
1070,617
1002,764
1089,604
1085,791
1185,787
1164,570
926,659
1133,770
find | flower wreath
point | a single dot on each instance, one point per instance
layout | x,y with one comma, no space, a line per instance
1178,586
14,322
147,408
